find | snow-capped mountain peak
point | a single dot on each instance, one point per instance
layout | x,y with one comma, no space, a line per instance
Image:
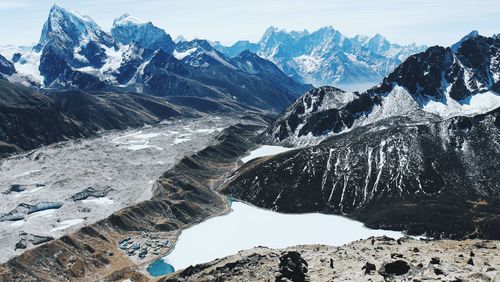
127,19
326,56
180,38
472,34
71,27
437,82
127,29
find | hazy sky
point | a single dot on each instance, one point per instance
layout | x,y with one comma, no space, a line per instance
427,22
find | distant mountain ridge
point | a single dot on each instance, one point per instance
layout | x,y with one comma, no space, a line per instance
326,56
136,56
437,82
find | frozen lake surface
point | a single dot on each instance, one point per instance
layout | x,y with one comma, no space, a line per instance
247,227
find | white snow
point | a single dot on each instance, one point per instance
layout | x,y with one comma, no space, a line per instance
66,224
27,66
18,223
44,213
247,227
182,138
263,151
477,104
182,55
127,19
307,63
99,201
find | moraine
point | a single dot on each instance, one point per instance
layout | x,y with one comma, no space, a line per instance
75,183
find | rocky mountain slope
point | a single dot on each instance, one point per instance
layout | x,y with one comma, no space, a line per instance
439,81
416,173
74,52
30,119
412,154
6,67
327,57
376,259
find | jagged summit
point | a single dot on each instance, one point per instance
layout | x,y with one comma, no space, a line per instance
326,56
436,82
472,34
127,19
71,27
127,29
180,38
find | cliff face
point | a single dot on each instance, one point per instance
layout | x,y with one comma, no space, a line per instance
377,259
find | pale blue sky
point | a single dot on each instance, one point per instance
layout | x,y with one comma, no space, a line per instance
427,22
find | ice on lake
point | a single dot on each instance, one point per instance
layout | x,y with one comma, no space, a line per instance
247,227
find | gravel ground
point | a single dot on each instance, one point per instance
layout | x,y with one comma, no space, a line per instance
380,259
126,163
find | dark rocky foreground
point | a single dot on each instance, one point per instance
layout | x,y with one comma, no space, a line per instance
182,197
414,174
374,259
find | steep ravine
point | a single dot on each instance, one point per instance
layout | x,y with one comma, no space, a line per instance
182,197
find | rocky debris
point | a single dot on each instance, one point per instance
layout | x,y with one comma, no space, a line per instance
292,267
435,260
26,238
37,240
23,209
396,255
15,188
18,188
396,268
369,268
351,264
21,244
91,192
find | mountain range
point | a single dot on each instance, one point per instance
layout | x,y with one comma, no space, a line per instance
438,81
413,153
327,57
417,152
74,52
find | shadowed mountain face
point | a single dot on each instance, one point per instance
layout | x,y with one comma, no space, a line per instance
419,174
75,53
326,57
437,81
30,119
127,29
6,67
440,74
